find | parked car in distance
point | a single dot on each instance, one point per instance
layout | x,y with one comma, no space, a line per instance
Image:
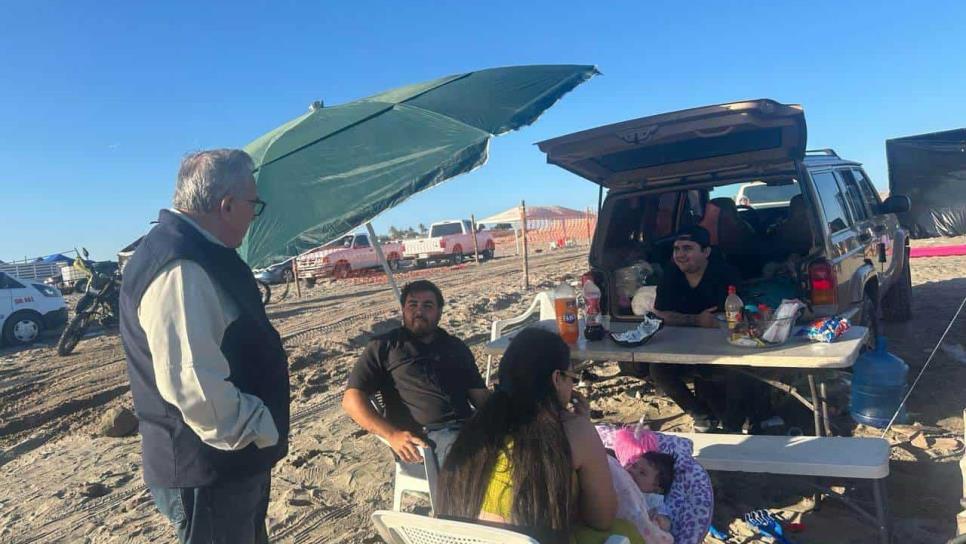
28,307
449,242
277,273
835,244
339,258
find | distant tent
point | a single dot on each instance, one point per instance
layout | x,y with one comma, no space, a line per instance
534,213
57,258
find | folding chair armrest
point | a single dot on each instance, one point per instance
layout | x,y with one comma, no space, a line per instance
496,331
432,473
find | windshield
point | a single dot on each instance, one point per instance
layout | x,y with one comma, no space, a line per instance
771,193
345,241
445,229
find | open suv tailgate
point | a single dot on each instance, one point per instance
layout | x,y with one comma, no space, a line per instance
756,138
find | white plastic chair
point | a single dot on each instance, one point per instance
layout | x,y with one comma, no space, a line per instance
402,528
542,302
408,481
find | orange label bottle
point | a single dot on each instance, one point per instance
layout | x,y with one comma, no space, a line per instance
565,306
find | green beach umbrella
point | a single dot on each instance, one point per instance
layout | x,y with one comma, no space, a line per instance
335,168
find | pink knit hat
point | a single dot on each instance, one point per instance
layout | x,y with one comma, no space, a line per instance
629,448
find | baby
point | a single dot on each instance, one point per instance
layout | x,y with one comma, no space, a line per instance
651,470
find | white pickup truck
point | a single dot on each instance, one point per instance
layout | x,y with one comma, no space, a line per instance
337,259
448,241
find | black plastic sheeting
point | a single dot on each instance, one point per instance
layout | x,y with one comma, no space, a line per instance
931,170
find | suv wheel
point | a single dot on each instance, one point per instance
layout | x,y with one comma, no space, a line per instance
897,304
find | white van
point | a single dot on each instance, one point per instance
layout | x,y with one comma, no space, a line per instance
28,307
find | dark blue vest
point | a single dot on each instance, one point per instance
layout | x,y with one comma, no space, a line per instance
173,454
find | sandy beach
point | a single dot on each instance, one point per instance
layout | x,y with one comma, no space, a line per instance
63,481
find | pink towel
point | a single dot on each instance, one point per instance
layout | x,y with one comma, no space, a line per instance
630,446
938,251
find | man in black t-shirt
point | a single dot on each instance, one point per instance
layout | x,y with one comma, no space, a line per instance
427,378
689,295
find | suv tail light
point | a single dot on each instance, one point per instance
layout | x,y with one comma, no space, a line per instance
442,243
821,278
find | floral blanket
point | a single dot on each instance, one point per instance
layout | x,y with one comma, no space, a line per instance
691,499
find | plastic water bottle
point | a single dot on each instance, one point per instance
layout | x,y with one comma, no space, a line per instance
565,306
733,307
593,329
878,385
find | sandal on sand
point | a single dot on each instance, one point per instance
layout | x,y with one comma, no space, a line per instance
767,524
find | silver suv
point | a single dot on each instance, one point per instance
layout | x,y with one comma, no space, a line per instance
833,242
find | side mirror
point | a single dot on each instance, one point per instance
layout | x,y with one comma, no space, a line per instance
896,204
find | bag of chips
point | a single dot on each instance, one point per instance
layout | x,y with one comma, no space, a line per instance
826,329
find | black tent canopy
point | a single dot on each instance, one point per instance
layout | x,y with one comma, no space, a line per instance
931,170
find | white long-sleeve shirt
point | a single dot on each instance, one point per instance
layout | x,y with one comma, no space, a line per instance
184,316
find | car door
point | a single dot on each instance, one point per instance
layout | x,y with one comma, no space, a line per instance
862,218
885,226
365,255
467,237
6,297
845,251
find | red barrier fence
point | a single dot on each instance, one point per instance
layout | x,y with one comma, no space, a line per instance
550,234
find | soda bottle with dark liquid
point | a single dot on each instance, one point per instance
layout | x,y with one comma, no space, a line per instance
593,328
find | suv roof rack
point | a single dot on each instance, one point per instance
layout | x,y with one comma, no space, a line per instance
829,152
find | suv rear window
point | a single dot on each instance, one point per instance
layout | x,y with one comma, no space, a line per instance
833,201
445,230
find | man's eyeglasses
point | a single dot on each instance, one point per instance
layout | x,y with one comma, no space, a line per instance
258,206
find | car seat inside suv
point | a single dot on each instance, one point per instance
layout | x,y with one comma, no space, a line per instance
794,233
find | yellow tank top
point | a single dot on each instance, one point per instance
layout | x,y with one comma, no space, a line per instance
498,500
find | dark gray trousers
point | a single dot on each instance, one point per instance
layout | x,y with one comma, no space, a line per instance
224,513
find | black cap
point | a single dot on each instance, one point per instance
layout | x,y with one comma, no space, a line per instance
696,234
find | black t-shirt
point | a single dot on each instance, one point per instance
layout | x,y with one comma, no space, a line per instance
422,385
675,294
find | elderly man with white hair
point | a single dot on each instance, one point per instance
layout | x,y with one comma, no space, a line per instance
208,373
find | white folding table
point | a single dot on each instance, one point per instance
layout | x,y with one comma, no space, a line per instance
695,345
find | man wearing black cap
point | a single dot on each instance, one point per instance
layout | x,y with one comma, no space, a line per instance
688,296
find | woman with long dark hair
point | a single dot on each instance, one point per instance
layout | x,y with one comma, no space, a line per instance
530,457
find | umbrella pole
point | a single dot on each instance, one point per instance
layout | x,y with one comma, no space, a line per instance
526,262
382,259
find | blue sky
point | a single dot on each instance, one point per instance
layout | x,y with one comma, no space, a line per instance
98,101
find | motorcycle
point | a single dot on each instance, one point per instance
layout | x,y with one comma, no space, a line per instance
98,304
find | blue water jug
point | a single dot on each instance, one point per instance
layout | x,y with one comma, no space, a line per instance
878,386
